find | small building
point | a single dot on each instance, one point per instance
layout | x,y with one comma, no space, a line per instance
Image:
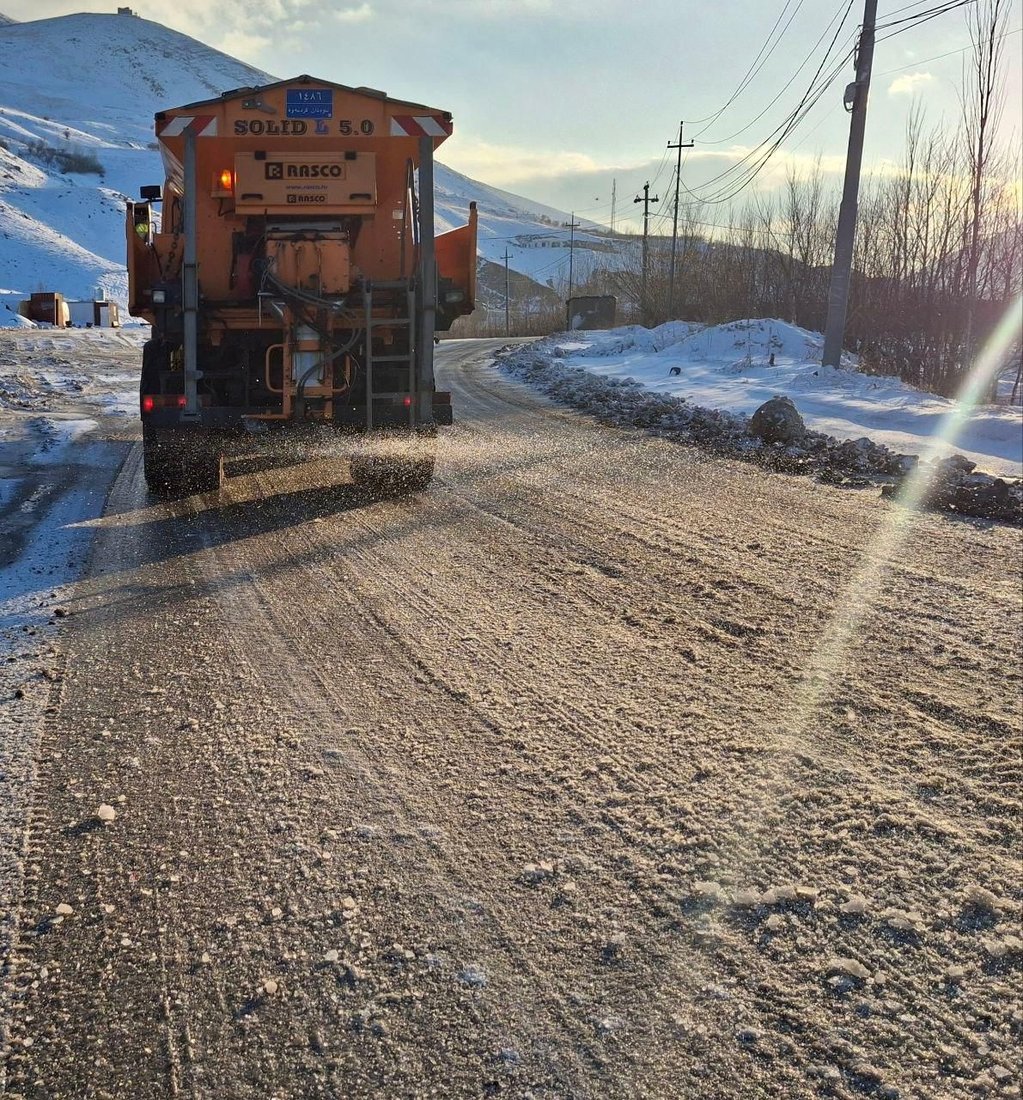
46,307
592,311
94,314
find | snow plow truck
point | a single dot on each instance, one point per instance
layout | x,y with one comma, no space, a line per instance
290,272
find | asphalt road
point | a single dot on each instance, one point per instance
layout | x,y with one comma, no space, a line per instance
603,769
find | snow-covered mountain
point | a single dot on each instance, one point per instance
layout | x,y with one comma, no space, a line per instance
77,99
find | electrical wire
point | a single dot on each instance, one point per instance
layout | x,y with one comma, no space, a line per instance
788,83
940,56
905,7
810,98
730,188
924,16
756,65
744,176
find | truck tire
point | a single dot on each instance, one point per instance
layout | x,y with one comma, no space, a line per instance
392,477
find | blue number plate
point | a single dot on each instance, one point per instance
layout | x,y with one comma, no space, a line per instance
310,103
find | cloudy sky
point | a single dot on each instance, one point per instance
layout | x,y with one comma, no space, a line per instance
555,99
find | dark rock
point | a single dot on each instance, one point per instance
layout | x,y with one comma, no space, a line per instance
957,464
777,421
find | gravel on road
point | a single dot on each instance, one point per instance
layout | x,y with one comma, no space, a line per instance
604,768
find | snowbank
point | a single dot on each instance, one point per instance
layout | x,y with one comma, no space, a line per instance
10,319
729,367
687,384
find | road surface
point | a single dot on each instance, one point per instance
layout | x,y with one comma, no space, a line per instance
604,768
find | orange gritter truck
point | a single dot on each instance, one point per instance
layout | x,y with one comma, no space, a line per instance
294,282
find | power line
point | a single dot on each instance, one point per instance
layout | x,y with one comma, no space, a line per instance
940,56
744,176
788,83
754,68
924,16
905,7
810,98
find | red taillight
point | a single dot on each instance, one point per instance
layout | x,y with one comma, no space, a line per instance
164,401
407,402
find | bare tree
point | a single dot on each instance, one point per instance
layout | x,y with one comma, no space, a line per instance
983,102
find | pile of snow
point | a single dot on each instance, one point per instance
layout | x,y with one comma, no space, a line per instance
729,367
697,385
9,316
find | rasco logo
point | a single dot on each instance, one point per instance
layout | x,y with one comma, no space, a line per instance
302,199
277,170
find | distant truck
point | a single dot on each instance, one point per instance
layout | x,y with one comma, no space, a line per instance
294,283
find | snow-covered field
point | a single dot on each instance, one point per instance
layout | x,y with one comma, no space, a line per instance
729,367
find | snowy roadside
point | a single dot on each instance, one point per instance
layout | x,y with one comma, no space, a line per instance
700,384
67,409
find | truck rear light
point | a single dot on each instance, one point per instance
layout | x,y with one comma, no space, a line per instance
163,401
223,184
407,402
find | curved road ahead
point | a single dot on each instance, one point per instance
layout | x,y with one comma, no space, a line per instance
602,769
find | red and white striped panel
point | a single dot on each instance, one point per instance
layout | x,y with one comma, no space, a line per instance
201,126
420,126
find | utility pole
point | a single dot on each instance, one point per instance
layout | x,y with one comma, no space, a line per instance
614,195
674,230
507,296
573,225
841,269
646,200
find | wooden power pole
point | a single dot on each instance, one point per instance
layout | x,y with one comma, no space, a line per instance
674,230
646,200
841,268
507,296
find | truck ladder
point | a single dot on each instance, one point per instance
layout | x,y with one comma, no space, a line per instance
399,297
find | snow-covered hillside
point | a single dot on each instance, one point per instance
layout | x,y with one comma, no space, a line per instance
85,87
537,237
